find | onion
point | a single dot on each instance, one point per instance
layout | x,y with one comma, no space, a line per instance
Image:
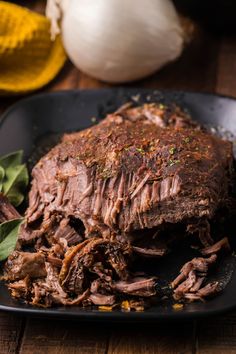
118,40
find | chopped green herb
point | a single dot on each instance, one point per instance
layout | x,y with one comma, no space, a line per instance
173,162
140,150
187,140
172,150
161,106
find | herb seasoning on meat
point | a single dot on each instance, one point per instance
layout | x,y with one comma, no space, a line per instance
103,197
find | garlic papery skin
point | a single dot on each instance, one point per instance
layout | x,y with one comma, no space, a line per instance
121,40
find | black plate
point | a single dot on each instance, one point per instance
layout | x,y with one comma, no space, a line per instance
32,120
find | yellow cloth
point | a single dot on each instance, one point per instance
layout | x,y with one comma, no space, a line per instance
28,58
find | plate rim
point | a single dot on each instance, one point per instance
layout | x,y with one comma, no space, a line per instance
116,316
40,95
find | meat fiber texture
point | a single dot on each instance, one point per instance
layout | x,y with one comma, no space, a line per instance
104,192
137,169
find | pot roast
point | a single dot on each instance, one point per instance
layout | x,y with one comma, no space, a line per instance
131,186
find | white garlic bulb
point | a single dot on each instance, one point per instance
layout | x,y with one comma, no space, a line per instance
120,40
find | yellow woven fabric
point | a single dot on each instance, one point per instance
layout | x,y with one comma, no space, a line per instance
28,58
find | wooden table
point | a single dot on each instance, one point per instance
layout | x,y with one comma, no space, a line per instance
209,64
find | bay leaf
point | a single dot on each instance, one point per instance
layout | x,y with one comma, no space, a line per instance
8,237
13,177
12,159
2,175
15,182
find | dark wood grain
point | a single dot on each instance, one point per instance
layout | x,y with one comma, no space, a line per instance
226,72
217,336
57,337
166,339
195,70
11,332
208,64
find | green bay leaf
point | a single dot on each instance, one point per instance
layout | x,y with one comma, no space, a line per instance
13,177
11,160
15,183
2,175
8,237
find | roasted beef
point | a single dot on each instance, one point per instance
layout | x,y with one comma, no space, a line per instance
139,168
132,186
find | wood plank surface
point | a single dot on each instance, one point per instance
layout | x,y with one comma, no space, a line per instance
217,335
11,332
57,337
152,339
226,70
208,64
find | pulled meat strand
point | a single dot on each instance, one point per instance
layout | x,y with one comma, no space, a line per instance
100,299
188,283
196,264
223,244
137,287
21,288
210,289
149,252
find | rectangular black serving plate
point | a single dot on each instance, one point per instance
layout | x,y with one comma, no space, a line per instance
29,122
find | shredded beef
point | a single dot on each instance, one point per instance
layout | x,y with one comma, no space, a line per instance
150,252
70,280
138,287
188,284
223,244
21,288
100,299
22,264
132,186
